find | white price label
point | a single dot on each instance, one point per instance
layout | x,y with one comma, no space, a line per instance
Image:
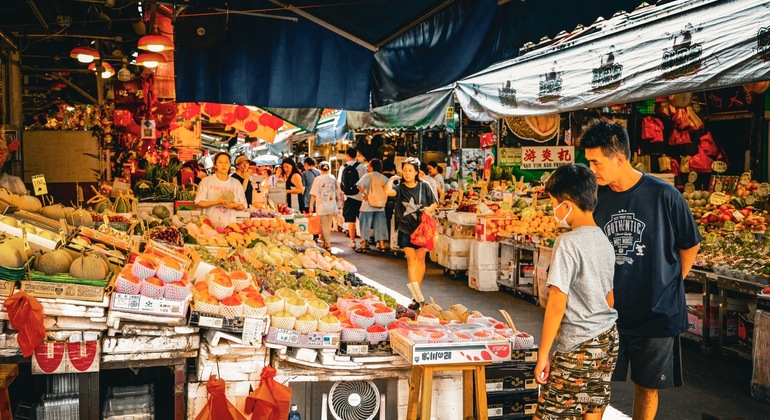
24,236
718,198
39,186
692,176
745,178
719,166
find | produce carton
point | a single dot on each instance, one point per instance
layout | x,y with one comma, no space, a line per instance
312,340
65,357
507,404
60,290
139,304
492,351
509,376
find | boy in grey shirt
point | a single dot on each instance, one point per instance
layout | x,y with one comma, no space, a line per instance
576,380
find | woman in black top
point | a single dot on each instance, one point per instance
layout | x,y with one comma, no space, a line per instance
413,196
242,174
294,188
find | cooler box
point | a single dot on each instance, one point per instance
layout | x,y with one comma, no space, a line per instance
483,255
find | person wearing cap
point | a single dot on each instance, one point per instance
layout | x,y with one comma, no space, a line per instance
242,174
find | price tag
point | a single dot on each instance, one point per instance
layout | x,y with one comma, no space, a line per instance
689,187
506,206
62,229
745,178
718,198
764,189
455,198
712,238
729,226
719,166
105,220
252,330
750,199
24,236
738,215
692,176
701,229
39,185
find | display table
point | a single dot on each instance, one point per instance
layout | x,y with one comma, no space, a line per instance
421,389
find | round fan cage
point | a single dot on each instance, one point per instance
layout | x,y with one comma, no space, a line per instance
354,400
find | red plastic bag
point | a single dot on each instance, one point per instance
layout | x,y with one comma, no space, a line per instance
26,316
652,129
425,234
678,138
271,400
218,407
701,163
314,224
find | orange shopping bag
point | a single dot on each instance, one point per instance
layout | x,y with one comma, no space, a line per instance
314,224
218,407
271,400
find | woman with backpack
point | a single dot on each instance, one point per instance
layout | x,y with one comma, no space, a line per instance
413,196
372,216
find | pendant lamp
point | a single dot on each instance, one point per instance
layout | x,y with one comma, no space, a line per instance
155,43
84,54
106,73
150,59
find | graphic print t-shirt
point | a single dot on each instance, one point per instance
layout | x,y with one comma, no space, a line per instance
211,188
409,202
325,190
648,225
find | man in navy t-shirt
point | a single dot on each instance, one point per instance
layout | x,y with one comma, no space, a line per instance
655,239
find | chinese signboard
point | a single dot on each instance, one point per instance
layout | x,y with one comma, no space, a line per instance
549,157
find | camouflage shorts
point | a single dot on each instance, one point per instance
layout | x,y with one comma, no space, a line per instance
579,381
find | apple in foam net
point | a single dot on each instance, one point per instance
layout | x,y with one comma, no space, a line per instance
130,277
254,303
305,317
222,280
766,290
146,262
330,319
318,304
156,281
239,275
171,263
231,300
211,300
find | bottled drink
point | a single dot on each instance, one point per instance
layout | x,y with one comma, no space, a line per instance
294,414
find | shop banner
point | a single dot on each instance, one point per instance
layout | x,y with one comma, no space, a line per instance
547,157
654,51
433,109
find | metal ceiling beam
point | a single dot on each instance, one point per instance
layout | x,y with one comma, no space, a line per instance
327,25
7,41
38,15
77,88
116,38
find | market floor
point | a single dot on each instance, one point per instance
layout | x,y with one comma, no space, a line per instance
715,384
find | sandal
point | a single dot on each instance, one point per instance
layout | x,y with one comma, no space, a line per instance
360,250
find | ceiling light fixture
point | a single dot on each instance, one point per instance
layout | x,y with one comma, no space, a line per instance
84,54
124,74
150,59
155,43
107,72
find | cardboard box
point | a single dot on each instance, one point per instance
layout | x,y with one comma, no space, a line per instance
511,403
483,255
511,375
486,230
524,355
7,287
150,306
450,353
65,357
313,340
56,290
462,218
184,205
482,280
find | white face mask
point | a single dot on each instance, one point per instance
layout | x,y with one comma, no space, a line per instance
562,222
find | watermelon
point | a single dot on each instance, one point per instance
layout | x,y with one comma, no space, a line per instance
160,211
165,188
143,188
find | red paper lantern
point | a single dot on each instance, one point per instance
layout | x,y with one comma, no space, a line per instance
251,126
264,119
212,110
241,112
275,123
228,118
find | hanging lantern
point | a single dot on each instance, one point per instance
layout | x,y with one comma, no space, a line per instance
251,126
84,54
241,112
212,109
275,122
106,73
264,119
155,43
150,59
228,118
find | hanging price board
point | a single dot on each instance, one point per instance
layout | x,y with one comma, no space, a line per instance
745,178
750,199
692,176
38,185
689,187
719,166
718,198
764,189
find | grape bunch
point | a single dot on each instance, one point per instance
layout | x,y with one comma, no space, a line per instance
168,235
118,219
262,214
351,279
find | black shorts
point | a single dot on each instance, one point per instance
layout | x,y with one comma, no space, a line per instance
656,362
350,210
405,241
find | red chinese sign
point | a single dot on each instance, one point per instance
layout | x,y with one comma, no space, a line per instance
548,157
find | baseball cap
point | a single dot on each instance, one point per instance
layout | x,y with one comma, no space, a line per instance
240,159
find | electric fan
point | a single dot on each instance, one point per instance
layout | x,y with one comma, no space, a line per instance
353,400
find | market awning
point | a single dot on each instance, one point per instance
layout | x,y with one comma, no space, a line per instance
335,130
434,109
651,52
345,54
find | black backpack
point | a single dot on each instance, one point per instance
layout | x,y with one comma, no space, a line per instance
349,179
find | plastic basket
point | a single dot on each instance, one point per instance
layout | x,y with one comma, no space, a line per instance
13,274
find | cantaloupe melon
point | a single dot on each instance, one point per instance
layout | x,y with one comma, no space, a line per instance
88,267
80,218
30,203
54,211
10,221
53,262
12,253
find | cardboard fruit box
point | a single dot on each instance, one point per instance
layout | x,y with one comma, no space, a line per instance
66,357
450,353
